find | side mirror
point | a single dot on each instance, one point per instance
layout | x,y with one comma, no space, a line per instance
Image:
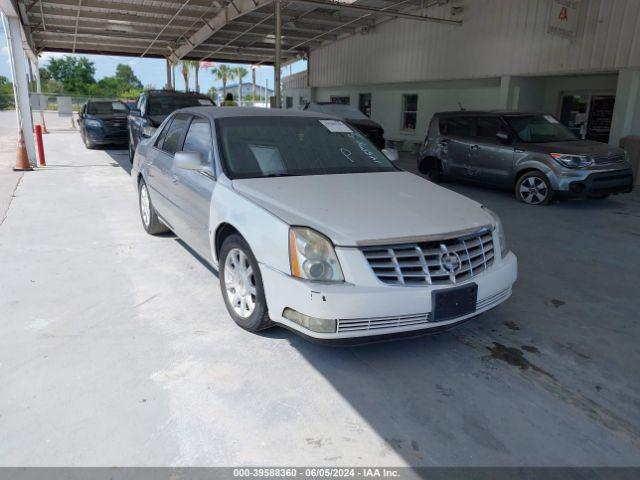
134,112
188,161
504,136
391,154
148,131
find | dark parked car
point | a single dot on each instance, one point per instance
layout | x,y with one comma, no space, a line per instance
531,153
153,107
351,116
103,123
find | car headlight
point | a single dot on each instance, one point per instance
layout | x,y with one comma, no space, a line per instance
312,256
572,161
499,231
93,123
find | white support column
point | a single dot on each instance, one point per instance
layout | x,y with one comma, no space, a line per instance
13,32
276,64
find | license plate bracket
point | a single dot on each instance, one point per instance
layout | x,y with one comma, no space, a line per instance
448,303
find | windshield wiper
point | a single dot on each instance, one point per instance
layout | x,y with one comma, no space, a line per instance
271,175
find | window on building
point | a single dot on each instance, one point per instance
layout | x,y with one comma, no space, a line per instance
198,138
340,100
457,126
365,104
288,102
409,112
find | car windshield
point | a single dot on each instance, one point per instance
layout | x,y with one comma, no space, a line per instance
539,129
166,104
338,110
254,147
106,108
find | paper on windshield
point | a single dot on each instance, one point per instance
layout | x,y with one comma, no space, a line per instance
336,126
204,101
550,119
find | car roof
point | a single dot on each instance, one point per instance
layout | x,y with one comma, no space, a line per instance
456,113
173,92
227,112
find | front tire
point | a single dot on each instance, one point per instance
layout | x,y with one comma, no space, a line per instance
241,285
150,221
534,188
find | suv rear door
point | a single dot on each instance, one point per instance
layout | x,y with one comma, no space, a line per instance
491,158
456,137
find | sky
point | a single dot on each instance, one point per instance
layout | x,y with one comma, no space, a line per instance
150,71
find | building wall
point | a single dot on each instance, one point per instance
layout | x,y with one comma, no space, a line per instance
498,37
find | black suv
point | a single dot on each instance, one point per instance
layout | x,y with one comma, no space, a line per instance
153,107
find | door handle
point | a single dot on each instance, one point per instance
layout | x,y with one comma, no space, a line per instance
444,142
474,147
174,180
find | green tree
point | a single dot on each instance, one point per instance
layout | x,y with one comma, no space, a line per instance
6,93
240,73
223,73
76,74
125,74
212,93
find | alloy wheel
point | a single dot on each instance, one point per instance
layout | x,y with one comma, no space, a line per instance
145,205
240,283
534,190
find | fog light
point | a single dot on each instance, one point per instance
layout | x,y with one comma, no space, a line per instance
319,325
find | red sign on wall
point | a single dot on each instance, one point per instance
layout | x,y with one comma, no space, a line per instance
563,17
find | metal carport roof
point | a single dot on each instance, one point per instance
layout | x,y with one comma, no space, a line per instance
219,30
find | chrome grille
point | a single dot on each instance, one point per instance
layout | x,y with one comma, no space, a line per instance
417,264
493,299
359,324
604,159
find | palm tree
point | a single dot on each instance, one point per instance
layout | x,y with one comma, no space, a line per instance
223,72
185,66
240,73
253,80
196,68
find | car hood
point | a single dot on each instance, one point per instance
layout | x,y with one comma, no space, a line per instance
576,147
113,116
365,208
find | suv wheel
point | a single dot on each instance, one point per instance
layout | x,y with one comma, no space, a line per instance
241,285
534,188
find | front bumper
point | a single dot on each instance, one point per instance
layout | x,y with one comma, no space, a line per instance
587,183
372,311
98,136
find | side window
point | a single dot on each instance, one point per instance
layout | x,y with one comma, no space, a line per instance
163,134
198,138
174,134
488,127
457,126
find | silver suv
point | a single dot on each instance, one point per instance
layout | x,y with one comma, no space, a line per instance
531,153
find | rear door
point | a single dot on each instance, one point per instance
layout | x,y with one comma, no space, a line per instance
161,181
195,188
490,158
456,137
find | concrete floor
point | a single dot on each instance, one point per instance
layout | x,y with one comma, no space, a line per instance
116,349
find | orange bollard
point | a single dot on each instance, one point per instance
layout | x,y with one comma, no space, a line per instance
44,125
22,159
40,146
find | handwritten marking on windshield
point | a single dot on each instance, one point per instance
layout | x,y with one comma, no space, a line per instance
347,153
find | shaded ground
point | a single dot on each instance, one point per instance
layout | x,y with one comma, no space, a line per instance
116,349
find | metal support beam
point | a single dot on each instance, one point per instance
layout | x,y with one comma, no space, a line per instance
225,16
276,63
13,32
381,11
169,75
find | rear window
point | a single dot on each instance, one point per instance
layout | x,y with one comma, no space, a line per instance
165,104
106,108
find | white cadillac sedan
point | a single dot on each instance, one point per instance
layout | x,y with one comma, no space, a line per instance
312,228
